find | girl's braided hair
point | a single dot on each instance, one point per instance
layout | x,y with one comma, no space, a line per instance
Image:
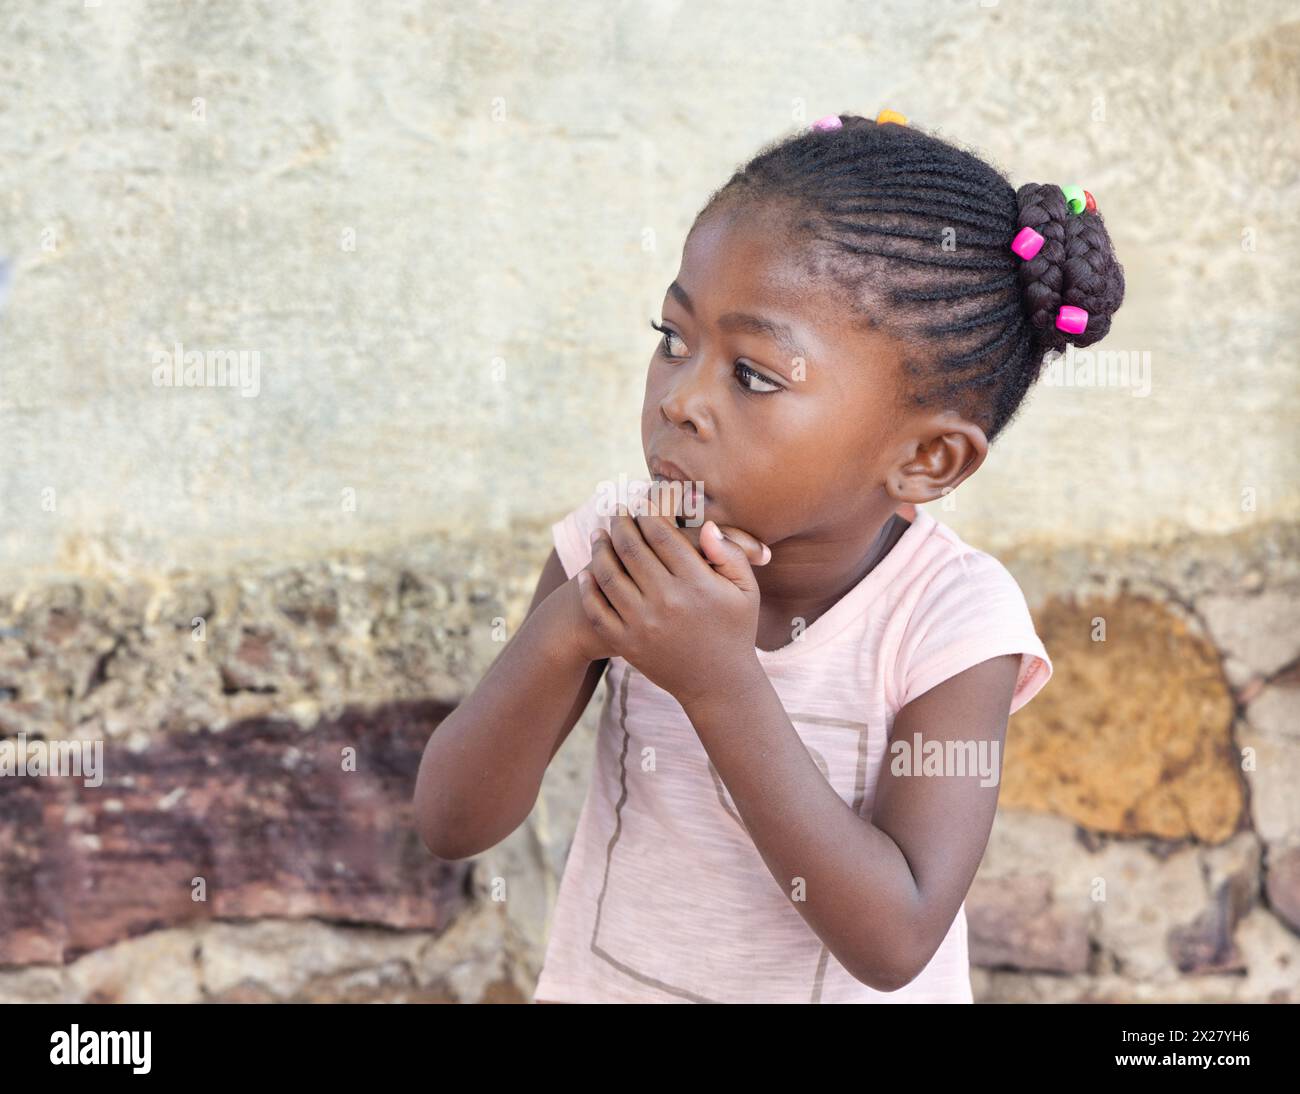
917,233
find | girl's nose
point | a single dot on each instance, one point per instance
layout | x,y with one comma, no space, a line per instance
687,402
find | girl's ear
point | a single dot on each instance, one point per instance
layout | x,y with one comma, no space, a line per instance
947,449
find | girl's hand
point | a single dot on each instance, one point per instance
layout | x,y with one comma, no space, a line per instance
577,632
758,552
686,621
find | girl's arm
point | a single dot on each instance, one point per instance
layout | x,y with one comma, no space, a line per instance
882,892
483,765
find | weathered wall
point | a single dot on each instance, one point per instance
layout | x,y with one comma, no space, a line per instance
442,230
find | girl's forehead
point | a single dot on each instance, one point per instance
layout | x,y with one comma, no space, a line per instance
725,238
757,264
738,262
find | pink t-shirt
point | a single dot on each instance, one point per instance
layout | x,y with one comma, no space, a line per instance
664,896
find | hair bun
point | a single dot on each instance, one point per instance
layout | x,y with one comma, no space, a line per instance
1076,265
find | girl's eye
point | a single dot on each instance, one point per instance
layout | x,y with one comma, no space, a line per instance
748,376
747,373
667,334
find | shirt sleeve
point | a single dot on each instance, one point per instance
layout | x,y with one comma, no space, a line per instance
972,611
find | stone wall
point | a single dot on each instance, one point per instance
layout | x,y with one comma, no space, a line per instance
1147,844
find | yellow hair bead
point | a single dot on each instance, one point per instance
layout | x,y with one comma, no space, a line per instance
890,116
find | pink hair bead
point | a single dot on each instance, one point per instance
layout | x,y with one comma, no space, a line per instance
1027,243
1072,320
831,121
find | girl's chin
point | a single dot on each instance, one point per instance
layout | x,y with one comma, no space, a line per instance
690,513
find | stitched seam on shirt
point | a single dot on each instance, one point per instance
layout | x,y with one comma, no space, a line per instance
862,728
596,948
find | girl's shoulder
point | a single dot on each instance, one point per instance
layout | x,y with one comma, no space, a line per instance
958,606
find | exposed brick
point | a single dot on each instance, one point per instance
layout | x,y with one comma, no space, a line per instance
263,811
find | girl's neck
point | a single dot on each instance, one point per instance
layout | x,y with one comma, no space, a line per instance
806,576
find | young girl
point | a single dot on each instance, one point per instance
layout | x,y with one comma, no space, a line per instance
857,315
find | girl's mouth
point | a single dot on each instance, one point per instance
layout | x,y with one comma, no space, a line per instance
685,499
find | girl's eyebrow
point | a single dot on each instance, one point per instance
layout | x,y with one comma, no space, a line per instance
749,324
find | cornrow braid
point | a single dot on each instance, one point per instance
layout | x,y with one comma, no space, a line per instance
917,232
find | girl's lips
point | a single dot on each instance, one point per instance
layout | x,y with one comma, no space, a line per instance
690,501
687,489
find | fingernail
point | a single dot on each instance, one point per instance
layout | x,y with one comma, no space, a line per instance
767,553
